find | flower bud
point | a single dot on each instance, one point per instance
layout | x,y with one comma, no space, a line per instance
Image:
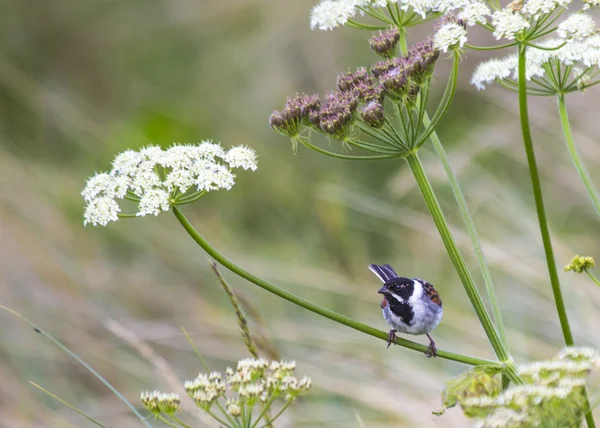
373,114
384,43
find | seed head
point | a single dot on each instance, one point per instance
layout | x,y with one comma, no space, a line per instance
373,114
580,264
384,43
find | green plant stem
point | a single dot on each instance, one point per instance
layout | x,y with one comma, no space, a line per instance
470,225
587,181
280,412
70,406
592,277
539,199
166,421
89,368
180,422
455,255
467,219
320,310
541,213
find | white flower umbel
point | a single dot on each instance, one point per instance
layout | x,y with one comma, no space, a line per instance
158,179
329,14
581,57
450,35
474,13
590,3
536,8
495,69
577,27
507,24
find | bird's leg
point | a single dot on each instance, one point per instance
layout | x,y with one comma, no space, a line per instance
432,350
391,337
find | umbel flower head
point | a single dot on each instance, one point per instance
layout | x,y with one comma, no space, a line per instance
159,402
576,62
580,264
157,179
255,382
329,14
553,395
359,99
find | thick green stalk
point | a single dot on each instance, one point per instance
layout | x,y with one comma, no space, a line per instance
539,199
541,212
587,181
455,255
467,219
320,310
470,225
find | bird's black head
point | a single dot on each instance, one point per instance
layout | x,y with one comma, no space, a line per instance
401,287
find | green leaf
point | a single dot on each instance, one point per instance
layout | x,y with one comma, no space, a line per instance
477,381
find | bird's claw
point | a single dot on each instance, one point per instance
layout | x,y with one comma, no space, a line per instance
391,338
431,350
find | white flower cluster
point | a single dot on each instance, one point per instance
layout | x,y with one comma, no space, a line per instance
590,3
536,8
577,27
259,378
160,402
474,13
329,14
254,381
554,391
450,35
205,389
507,24
155,178
583,55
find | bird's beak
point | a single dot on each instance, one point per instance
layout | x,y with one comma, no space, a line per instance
384,290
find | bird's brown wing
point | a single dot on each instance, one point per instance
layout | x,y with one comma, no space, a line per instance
431,293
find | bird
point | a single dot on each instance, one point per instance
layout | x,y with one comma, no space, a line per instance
411,306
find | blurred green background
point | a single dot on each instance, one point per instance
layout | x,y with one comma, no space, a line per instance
81,81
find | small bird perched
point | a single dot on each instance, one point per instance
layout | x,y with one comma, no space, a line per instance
410,306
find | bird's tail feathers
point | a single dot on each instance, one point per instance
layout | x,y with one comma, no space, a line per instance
384,272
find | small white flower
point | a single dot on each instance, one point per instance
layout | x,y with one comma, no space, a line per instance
474,13
577,27
329,14
421,7
507,24
450,35
536,8
153,202
493,70
101,211
241,157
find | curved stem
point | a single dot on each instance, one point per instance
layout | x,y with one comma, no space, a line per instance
278,413
444,103
180,422
541,212
472,231
346,157
166,421
456,256
490,48
587,181
592,277
76,357
354,24
320,310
